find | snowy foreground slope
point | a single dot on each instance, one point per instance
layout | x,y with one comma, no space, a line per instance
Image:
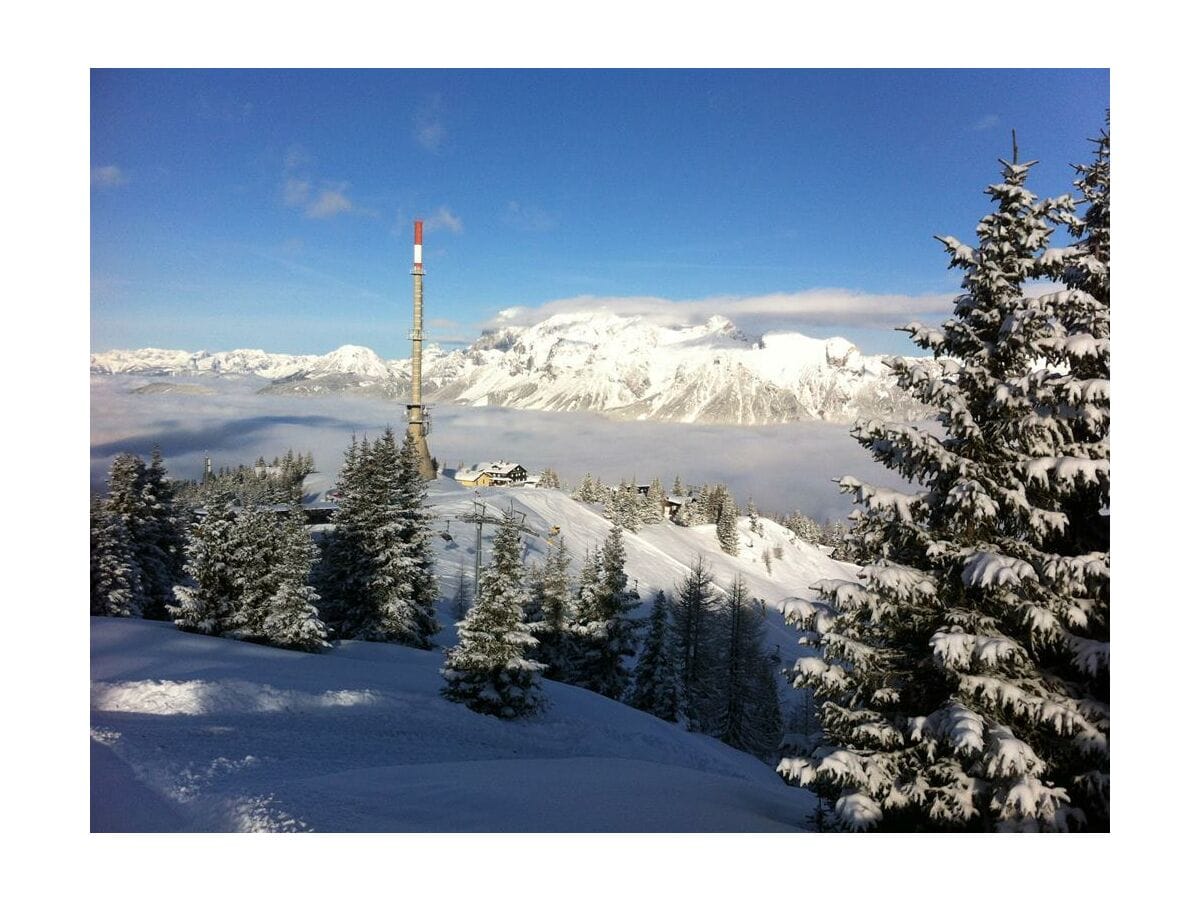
198,733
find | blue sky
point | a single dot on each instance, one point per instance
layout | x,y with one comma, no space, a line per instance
273,209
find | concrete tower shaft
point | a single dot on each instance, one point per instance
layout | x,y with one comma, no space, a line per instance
418,419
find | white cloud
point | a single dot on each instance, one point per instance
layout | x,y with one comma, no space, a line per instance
526,217
296,191
430,135
991,120
445,220
328,202
108,176
826,307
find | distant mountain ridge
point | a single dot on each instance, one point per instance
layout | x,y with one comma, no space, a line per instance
624,366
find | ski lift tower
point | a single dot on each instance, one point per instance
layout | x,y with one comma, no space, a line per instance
480,516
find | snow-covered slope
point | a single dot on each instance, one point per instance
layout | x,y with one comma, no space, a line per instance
199,733
619,365
657,556
196,733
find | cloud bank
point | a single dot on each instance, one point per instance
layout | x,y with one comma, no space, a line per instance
783,467
828,307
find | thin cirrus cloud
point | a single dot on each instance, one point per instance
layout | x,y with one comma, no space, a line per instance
299,192
444,220
431,135
526,217
328,202
991,120
108,176
317,203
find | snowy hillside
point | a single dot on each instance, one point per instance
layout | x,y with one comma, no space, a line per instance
657,556
622,366
193,733
199,733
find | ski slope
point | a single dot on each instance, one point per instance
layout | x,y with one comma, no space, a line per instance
657,556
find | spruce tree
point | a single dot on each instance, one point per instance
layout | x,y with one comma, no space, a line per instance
727,533
586,492
604,634
206,602
252,558
695,633
554,636
292,620
379,576
161,538
490,670
343,561
748,716
413,610
752,514
116,577
965,676
462,599
654,502
656,687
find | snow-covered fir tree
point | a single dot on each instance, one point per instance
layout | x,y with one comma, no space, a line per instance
623,506
292,620
343,557
588,490
695,633
548,479
651,505
252,559
379,571
602,630
804,527
142,497
161,539
462,597
678,488
206,602
966,675
554,635
752,513
656,687
271,558
116,577
727,516
490,669
749,716
409,615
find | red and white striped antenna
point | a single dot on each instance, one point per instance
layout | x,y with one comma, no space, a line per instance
417,241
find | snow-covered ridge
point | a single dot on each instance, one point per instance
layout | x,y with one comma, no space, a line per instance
624,366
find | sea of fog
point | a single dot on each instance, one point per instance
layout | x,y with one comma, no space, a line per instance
783,467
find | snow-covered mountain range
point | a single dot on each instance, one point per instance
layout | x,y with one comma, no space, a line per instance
619,365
